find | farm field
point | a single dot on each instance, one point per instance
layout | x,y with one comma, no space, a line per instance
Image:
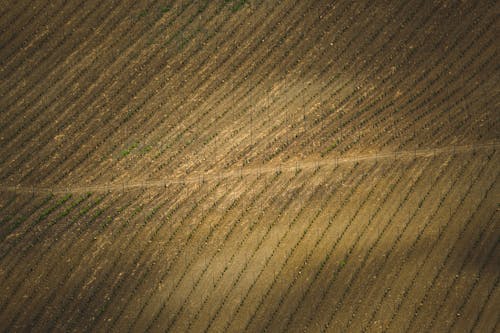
249,166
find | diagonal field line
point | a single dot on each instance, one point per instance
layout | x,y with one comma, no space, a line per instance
197,177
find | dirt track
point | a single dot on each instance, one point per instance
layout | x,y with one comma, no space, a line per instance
241,172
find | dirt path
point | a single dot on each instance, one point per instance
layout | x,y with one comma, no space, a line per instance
241,172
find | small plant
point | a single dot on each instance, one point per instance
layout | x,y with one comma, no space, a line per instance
166,9
236,4
125,152
146,149
182,42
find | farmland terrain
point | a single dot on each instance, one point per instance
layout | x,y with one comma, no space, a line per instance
249,166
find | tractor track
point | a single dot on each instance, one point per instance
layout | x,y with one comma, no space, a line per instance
291,166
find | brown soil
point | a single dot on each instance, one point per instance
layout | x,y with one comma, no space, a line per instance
232,166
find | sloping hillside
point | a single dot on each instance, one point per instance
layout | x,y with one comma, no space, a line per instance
248,165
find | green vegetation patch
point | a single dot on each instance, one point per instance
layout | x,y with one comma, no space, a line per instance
136,148
236,4
142,13
166,9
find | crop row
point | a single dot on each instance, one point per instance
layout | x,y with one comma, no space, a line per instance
289,254
283,240
247,77
45,253
64,83
220,248
198,86
358,137
465,125
359,113
391,104
111,272
442,229
181,251
422,106
410,250
410,190
486,302
81,214
421,110
9,199
256,83
464,261
61,84
332,246
49,66
128,44
252,69
331,219
141,227
467,296
444,168
156,236
224,60
26,19
238,277
242,241
134,111
327,203
329,82
345,260
82,95
235,222
115,122
78,15
333,79
92,220
17,222
255,301
203,243
167,80
309,256
244,78
43,215
13,17
38,238
89,236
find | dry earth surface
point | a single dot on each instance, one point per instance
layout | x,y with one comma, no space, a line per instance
249,166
